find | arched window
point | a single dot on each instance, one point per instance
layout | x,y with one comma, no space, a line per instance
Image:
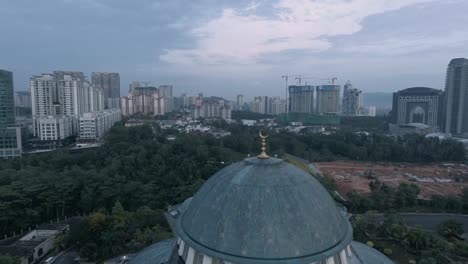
418,115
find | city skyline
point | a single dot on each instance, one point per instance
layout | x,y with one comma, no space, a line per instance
352,40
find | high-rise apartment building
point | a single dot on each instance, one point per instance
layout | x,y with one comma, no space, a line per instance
109,82
301,99
268,105
328,99
43,95
159,105
70,93
240,102
144,100
456,97
418,105
62,96
259,105
211,107
165,92
10,134
184,101
352,100
276,106
93,98
23,99
134,85
126,105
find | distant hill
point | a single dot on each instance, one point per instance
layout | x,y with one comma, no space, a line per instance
380,100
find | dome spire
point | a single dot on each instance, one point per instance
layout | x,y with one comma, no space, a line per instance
263,155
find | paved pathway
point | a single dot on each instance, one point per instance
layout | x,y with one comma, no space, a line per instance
432,221
67,258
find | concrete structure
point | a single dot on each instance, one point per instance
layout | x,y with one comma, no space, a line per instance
261,210
367,111
109,82
165,93
352,100
10,133
328,99
63,94
259,105
247,122
418,105
268,105
276,106
23,99
54,128
93,98
69,89
160,105
43,95
35,245
126,105
456,97
147,100
134,85
301,99
240,102
95,125
184,102
412,128
211,107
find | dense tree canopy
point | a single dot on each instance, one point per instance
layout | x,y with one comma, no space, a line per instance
145,172
136,167
349,145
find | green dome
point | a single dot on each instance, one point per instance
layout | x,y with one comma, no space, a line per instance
264,211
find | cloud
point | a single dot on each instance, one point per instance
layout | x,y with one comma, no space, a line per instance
93,3
253,6
409,44
240,38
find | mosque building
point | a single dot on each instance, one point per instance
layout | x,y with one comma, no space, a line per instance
261,210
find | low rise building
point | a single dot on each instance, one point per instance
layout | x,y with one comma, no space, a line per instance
247,122
95,125
33,246
53,128
412,128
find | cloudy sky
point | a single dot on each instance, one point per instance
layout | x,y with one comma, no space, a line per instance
226,47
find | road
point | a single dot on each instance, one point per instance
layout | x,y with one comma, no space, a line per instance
432,221
67,258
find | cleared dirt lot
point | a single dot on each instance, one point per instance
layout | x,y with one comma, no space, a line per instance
442,179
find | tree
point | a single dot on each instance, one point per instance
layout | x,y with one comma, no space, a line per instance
9,260
465,198
418,239
450,227
407,195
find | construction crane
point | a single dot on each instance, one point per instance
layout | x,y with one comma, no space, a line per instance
300,78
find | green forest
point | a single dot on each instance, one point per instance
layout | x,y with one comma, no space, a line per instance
404,244
138,172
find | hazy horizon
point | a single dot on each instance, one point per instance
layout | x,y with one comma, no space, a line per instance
237,47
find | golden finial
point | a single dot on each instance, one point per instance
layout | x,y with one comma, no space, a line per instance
263,155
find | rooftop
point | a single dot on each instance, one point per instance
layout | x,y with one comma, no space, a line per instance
263,211
420,91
